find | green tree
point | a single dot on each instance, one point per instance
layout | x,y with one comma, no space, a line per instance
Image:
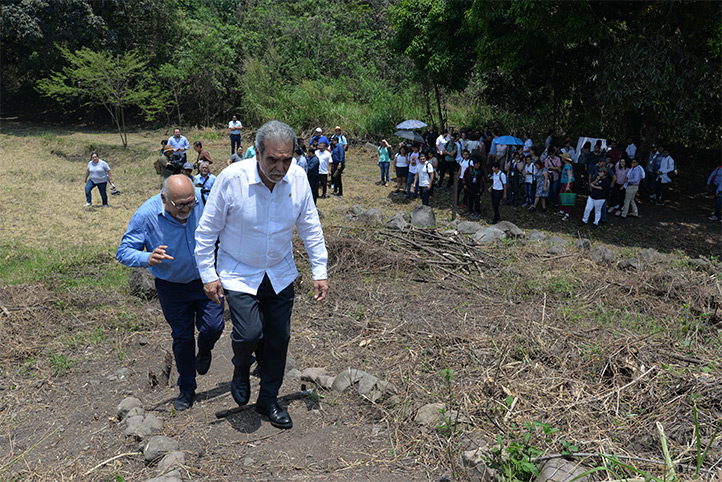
103,79
430,33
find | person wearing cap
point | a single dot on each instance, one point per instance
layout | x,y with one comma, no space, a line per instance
169,164
180,144
340,137
234,131
188,170
160,237
319,137
655,156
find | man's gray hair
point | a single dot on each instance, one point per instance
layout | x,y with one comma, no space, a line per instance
274,131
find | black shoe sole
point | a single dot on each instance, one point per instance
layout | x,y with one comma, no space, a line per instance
264,412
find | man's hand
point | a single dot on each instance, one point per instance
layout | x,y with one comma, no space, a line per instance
214,291
158,255
320,289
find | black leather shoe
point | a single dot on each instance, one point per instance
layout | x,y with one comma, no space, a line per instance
278,416
184,401
203,362
240,386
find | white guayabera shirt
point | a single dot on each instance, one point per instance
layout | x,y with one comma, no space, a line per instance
255,228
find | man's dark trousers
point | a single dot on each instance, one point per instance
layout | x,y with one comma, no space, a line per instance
496,197
336,178
262,323
235,142
185,307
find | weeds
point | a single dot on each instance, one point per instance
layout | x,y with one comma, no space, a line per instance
59,363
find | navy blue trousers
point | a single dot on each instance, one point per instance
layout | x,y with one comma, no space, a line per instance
185,307
262,323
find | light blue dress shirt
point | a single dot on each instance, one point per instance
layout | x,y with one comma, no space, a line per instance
151,226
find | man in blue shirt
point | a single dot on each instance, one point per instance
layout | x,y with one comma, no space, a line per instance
319,137
180,144
338,157
161,237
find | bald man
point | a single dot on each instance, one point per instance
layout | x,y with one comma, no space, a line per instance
160,237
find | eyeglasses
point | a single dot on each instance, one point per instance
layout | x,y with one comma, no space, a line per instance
190,204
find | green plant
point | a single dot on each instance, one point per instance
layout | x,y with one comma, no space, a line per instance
513,456
60,363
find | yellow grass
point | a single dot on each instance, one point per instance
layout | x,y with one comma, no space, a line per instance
43,185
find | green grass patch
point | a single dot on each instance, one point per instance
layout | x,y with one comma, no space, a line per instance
59,269
93,337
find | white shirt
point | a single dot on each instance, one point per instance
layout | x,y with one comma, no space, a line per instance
425,171
401,161
413,167
529,172
440,143
666,166
324,159
631,150
498,180
464,163
527,146
255,229
471,145
235,127
98,172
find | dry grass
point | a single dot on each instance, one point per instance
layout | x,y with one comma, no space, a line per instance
598,353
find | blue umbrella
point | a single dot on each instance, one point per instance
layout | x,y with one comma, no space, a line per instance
509,141
411,124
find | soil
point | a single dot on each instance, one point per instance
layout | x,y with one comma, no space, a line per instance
596,352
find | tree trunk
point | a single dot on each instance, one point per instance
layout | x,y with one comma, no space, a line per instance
438,106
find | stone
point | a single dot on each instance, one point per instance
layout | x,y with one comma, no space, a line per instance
122,373
292,373
430,414
291,364
561,470
134,412
535,235
325,381
473,461
143,340
312,374
468,227
153,422
170,461
583,244
602,254
248,461
423,216
347,378
142,283
630,263
558,240
370,146
650,256
699,262
555,249
125,405
133,428
349,218
397,222
511,229
366,384
371,216
159,445
356,210
172,476
488,235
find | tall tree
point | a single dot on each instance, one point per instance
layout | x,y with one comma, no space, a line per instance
430,33
101,78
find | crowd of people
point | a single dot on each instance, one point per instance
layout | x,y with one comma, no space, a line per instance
537,177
